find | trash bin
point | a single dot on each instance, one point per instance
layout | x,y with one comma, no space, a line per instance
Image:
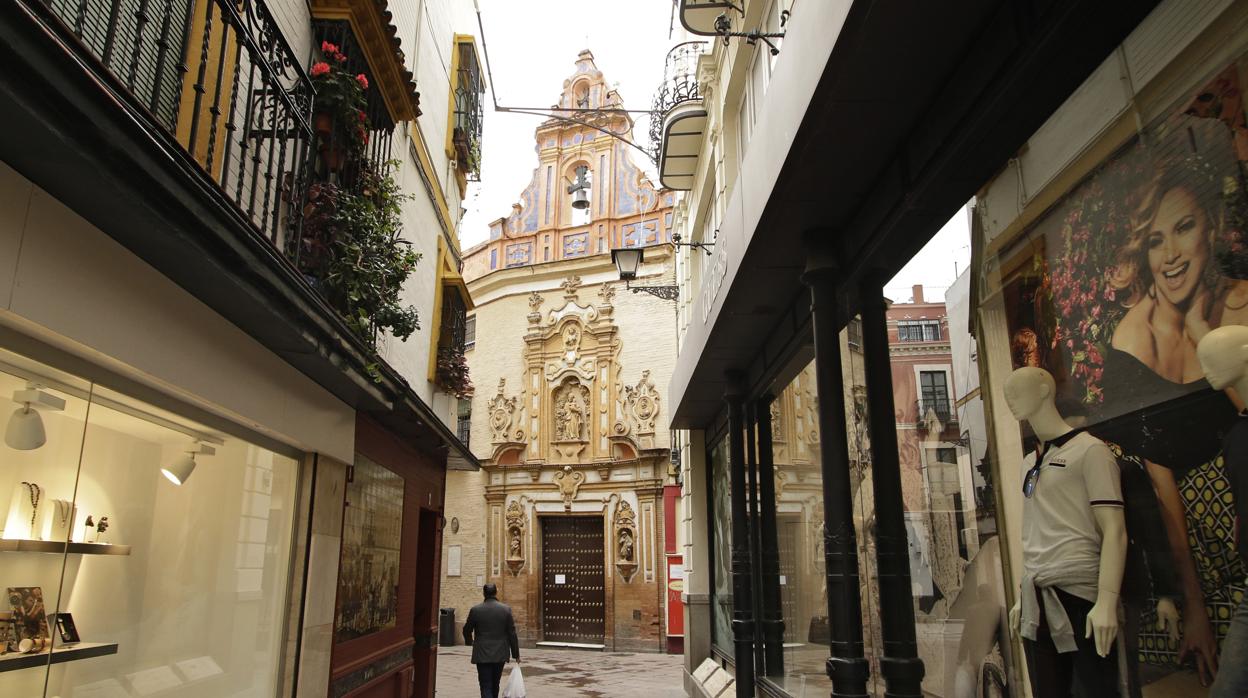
446,627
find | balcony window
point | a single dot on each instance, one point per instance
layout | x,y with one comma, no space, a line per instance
469,88
919,331
463,424
934,394
854,331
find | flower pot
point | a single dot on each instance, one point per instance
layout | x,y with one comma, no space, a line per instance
323,123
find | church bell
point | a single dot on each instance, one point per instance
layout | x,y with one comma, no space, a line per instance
580,199
580,189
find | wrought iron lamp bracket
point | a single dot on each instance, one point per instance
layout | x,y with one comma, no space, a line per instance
667,293
723,29
704,246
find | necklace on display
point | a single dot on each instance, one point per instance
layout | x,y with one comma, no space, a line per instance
35,494
64,510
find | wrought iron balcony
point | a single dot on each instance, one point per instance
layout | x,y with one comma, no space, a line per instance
677,117
469,112
219,78
938,405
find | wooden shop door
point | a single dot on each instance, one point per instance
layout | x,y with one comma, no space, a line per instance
573,580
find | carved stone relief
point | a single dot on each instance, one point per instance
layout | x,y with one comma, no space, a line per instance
502,411
571,402
625,540
569,482
640,410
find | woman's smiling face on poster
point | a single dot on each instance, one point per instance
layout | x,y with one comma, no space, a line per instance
1178,245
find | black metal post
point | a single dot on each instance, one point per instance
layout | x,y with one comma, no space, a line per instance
756,565
742,595
901,667
846,667
772,617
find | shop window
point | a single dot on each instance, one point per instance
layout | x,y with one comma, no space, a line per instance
918,331
372,536
1097,289
173,588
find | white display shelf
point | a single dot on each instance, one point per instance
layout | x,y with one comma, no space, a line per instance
83,650
23,545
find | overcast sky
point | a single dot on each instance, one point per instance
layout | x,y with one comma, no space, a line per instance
532,48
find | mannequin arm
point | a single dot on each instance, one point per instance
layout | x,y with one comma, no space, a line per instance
1198,637
1102,622
1168,618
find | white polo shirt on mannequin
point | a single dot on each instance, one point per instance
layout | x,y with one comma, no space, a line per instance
1061,540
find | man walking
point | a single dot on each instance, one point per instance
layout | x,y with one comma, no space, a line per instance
495,631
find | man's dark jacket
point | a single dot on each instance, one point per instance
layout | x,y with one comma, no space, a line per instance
495,632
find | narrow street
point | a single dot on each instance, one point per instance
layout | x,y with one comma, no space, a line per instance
570,674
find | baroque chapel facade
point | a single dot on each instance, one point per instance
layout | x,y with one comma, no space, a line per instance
567,515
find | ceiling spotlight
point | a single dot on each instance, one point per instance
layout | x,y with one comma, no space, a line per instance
180,470
25,430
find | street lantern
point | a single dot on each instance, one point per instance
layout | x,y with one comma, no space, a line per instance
627,261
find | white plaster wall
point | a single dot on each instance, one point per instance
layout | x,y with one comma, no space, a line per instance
71,285
427,29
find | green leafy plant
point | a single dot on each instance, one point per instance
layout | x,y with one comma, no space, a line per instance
352,249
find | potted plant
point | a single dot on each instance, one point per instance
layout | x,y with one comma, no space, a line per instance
339,116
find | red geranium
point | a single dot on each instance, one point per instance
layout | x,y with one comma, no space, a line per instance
319,69
362,80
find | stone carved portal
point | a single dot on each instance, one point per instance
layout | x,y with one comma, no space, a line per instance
625,540
515,538
571,401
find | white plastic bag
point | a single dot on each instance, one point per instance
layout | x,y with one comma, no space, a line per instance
515,684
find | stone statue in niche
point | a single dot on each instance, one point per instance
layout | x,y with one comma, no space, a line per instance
571,411
626,540
626,545
571,337
515,537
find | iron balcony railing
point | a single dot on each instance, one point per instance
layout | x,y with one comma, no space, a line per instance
219,78
469,113
679,86
939,405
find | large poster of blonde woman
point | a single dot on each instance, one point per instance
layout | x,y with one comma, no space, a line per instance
1137,264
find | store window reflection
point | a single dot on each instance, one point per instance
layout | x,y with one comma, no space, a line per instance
721,554
171,589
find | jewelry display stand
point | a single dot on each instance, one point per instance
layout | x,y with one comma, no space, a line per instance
26,545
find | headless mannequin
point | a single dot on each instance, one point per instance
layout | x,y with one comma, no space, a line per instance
1223,355
1029,394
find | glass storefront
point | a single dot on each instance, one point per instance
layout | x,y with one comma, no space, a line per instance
1110,290
120,581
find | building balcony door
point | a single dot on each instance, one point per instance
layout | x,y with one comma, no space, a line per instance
573,580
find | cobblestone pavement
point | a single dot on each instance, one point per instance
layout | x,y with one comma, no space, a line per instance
570,674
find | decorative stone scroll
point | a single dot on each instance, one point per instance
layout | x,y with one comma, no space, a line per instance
639,411
625,540
569,482
515,537
502,411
